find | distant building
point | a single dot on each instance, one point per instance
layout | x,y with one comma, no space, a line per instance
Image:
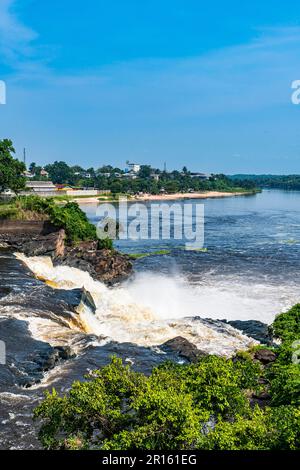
202,176
63,187
44,173
27,174
130,175
134,167
41,186
155,176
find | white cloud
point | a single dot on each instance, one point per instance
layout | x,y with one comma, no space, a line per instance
15,38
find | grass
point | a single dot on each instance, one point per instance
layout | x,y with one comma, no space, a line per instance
14,211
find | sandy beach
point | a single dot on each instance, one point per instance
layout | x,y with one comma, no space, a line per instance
167,197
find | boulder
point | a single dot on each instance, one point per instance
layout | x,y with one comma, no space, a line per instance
183,348
27,359
265,356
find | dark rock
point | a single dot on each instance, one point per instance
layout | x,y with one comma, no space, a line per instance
40,240
104,265
26,358
262,396
49,245
65,352
254,329
183,348
265,356
4,291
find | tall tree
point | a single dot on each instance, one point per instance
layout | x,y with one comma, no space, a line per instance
11,169
59,172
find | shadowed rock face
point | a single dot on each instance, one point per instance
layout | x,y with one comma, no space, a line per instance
254,329
104,265
26,358
40,238
33,238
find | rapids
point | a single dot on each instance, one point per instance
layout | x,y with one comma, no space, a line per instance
120,318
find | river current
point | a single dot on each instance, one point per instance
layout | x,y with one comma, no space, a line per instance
248,270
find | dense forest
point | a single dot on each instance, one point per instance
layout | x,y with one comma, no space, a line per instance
268,181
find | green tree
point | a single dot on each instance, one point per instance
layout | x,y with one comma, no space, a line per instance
11,169
59,172
145,171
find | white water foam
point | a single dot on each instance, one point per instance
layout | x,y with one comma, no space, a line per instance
147,312
218,297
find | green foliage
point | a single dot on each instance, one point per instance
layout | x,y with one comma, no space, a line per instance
269,429
285,384
69,217
287,182
59,172
113,179
287,325
11,169
117,408
152,253
105,244
204,405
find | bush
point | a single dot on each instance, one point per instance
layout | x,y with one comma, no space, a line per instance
117,408
285,384
269,429
286,326
69,217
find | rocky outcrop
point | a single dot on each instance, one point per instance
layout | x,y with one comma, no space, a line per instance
33,238
40,238
27,359
104,265
254,329
183,348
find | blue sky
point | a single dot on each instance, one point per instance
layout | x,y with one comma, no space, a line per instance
189,82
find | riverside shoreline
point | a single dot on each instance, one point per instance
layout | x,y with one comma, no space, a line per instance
169,197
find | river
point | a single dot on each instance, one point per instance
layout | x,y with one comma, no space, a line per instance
248,270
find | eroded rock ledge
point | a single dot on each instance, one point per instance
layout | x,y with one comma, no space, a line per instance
41,238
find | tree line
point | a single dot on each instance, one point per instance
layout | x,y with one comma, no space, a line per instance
147,180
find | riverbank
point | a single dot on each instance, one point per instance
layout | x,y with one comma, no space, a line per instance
167,197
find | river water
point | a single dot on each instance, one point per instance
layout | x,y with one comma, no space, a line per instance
249,270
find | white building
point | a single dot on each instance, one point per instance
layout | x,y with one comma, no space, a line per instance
134,167
41,186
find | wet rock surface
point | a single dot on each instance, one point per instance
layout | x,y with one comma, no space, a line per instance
27,359
254,329
183,349
107,266
33,238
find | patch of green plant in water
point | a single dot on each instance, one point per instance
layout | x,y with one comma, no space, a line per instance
153,253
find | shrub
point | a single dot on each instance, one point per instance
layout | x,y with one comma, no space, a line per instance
269,429
285,384
69,216
117,408
286,326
